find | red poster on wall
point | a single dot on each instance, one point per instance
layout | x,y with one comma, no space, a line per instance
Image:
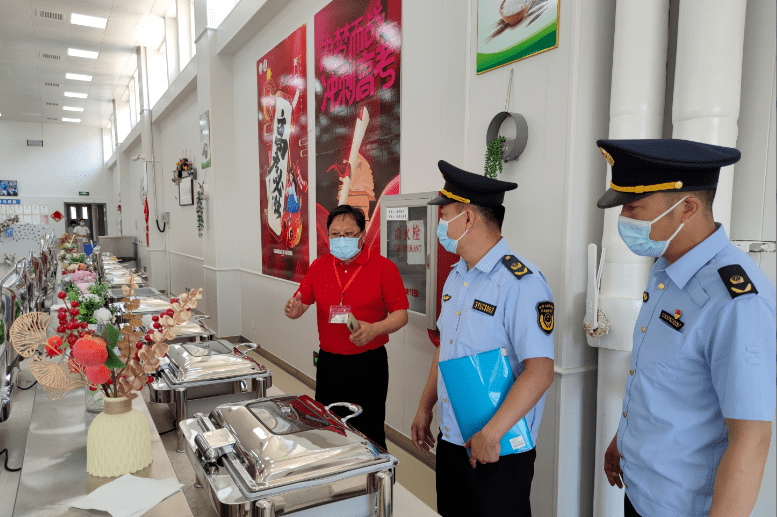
283,163
357,56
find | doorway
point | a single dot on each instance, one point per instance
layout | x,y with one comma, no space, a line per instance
93,214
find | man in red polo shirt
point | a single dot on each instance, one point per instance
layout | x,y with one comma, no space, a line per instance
353,367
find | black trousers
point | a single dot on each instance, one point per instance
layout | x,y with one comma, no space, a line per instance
490,490
628,509
360,379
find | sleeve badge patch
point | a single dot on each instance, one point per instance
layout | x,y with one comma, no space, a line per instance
545,316
645,297
736,280
446,297
516,267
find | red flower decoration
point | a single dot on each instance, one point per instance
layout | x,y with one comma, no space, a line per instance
90,352
57,216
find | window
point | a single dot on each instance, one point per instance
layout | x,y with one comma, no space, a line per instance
84,212
131,96
73,213
137,94
123,126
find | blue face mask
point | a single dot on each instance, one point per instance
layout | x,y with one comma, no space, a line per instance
344,247
442,234
636,235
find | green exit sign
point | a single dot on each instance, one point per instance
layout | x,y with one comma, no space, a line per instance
83,193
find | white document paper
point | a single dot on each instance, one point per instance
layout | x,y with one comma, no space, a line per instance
35,209
35,218
19,209
28,218
44,210
2,209
27,209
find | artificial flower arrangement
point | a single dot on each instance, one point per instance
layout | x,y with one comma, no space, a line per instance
183,169
117,362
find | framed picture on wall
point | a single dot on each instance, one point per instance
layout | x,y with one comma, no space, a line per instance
205,139
186,192
511,30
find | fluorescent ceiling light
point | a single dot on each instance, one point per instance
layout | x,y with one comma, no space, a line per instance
89,21
82,53
71,120
32,114
71,108
76,95
78,77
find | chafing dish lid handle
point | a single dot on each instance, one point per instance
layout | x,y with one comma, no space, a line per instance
354,408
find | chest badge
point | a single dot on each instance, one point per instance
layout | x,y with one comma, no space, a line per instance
645,297
736,280
545,316
446,297
484,307
672,321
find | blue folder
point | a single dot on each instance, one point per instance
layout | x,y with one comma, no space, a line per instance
477,385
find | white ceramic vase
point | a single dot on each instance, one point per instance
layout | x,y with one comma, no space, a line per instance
119,440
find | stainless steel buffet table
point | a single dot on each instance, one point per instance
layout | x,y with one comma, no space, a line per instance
54,469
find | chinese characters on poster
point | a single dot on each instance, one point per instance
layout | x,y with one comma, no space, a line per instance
357,90
283,162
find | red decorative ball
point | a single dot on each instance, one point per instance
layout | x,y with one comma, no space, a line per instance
62,318
157,325
71,339
61,329
84,324
138,345
92,388
74,303
98,374
62,295
173,300
53,346
148,338
149,380
90,351
81,334
62,310
154,318
170,312
74,312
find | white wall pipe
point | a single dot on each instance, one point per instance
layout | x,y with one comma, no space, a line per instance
708,82
636,111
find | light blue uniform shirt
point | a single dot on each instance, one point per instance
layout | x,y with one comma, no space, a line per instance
514,325
683,382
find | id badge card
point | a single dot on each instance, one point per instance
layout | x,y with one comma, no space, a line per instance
339,313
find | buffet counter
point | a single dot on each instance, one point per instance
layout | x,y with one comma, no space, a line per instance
54,469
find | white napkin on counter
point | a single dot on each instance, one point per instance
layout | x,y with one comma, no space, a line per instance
128,495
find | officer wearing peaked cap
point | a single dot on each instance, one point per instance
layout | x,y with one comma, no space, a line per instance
696,419
493,298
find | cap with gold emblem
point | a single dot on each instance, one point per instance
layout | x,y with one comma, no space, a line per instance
641,168
465,187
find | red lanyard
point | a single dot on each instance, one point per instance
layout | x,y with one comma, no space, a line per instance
339,283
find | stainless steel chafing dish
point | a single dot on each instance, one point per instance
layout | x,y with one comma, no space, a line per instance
209,369
152,304
193,331
286,454
116,293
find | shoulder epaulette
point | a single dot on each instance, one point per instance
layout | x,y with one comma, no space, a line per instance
736,280
516,267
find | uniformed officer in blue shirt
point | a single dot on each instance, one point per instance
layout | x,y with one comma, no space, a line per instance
700,396
493,298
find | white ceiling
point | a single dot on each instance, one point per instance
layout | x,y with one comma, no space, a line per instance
24,36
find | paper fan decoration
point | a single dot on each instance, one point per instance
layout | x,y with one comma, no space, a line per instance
29,332
57,216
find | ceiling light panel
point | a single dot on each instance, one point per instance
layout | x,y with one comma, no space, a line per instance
72,108
88,21
82,53
71,119
78,77
76,95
